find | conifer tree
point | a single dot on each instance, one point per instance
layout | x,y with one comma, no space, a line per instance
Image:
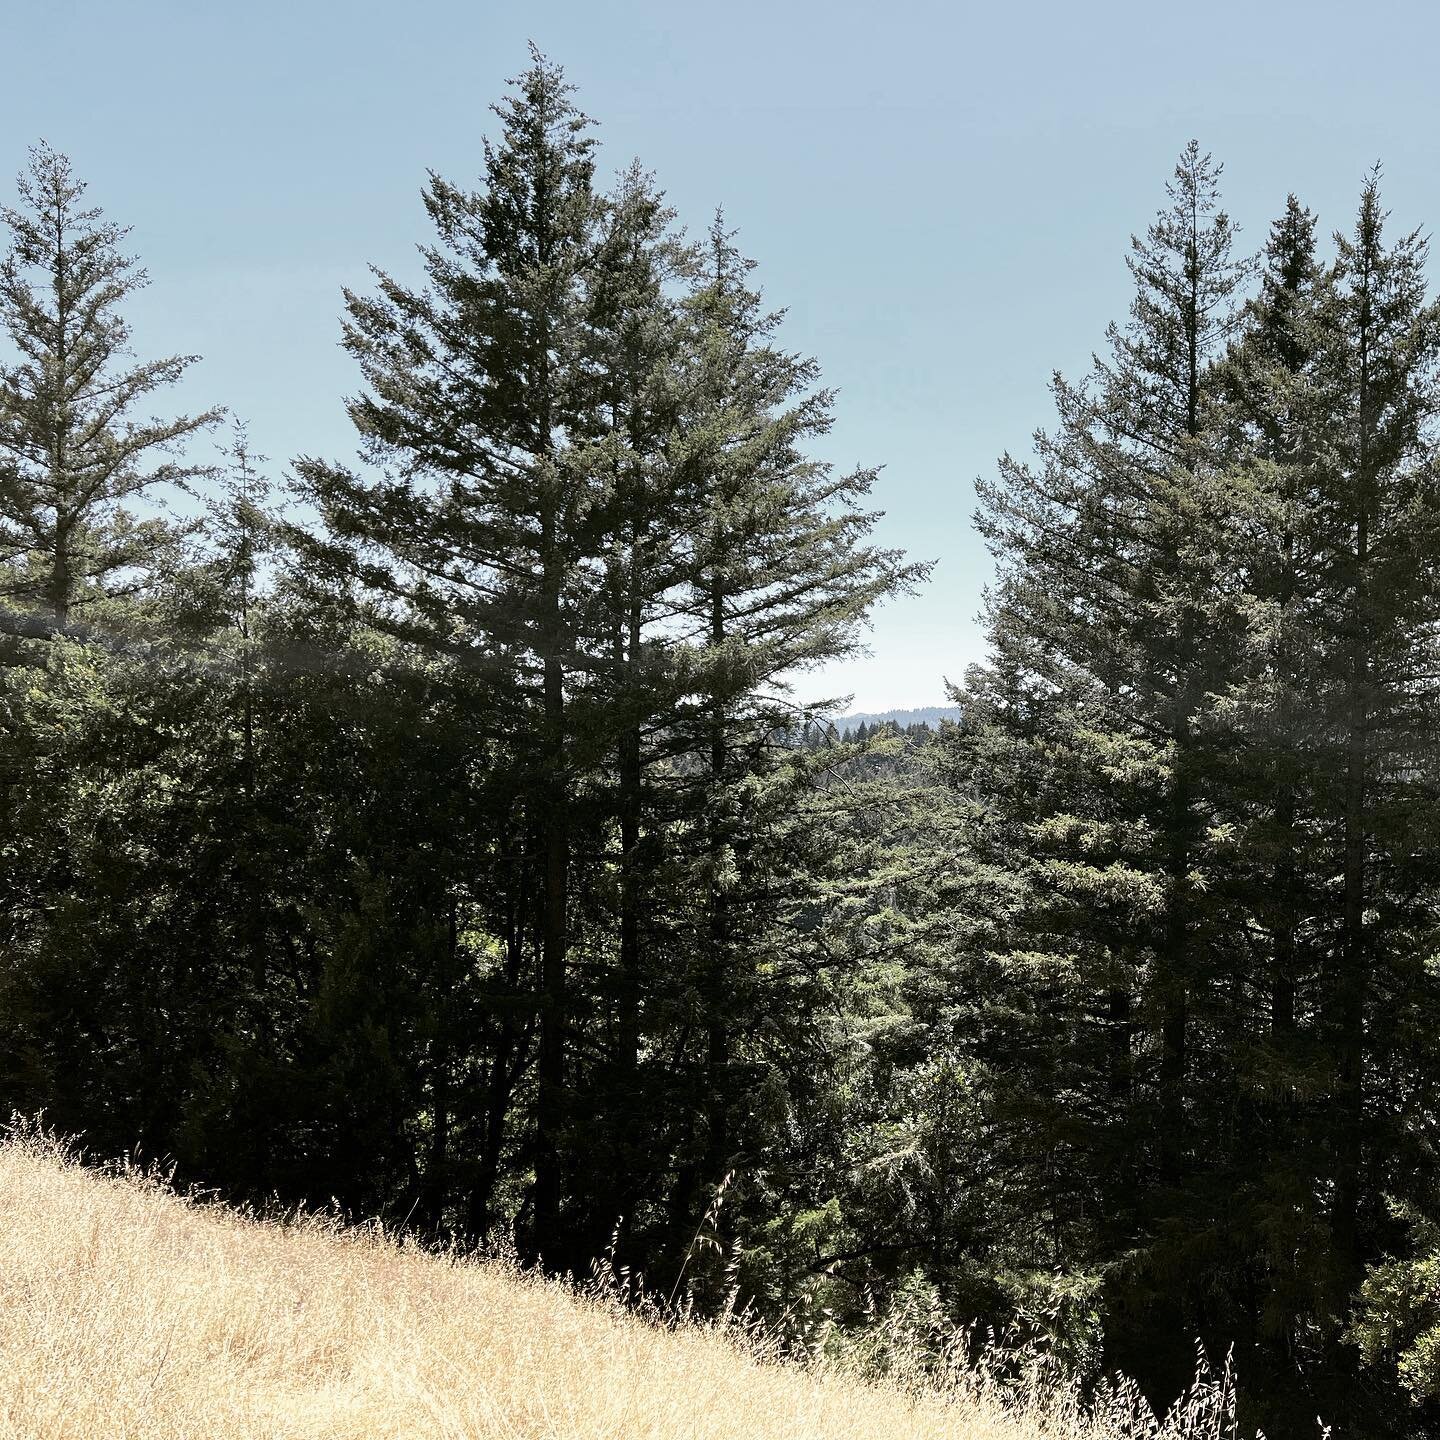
1268,792
780,577
1275,445
1378,515
1197,762
484,529
1087,740
1331,534
633,312
74,455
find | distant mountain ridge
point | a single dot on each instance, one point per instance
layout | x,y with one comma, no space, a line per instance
930,715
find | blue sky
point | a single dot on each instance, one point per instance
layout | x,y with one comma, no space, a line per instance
940,194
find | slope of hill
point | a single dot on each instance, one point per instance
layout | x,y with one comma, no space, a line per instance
128,1312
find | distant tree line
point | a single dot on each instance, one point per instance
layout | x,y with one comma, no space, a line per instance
931,716
448,844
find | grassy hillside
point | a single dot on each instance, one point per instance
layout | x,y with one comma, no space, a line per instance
126,1312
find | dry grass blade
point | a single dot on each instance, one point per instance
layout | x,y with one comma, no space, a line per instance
128,1312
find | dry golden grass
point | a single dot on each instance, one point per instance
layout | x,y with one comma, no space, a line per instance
128,1312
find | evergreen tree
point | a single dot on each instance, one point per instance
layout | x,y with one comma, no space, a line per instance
1378,515
633,312
73,455
780,578
1086,743
1198,759
596,500
1269,793
485,522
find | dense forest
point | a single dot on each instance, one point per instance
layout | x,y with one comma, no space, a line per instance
434,832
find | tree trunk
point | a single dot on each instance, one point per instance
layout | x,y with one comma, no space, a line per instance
1354,980
500,1083
717,1060
553,998
1353,983
61,587
631,777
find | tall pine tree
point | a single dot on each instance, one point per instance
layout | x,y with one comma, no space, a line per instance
74,456
1085,744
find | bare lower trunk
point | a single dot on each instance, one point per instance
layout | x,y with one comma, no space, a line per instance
553,944
1175,981
61,587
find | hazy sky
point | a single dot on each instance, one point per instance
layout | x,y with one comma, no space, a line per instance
940,194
